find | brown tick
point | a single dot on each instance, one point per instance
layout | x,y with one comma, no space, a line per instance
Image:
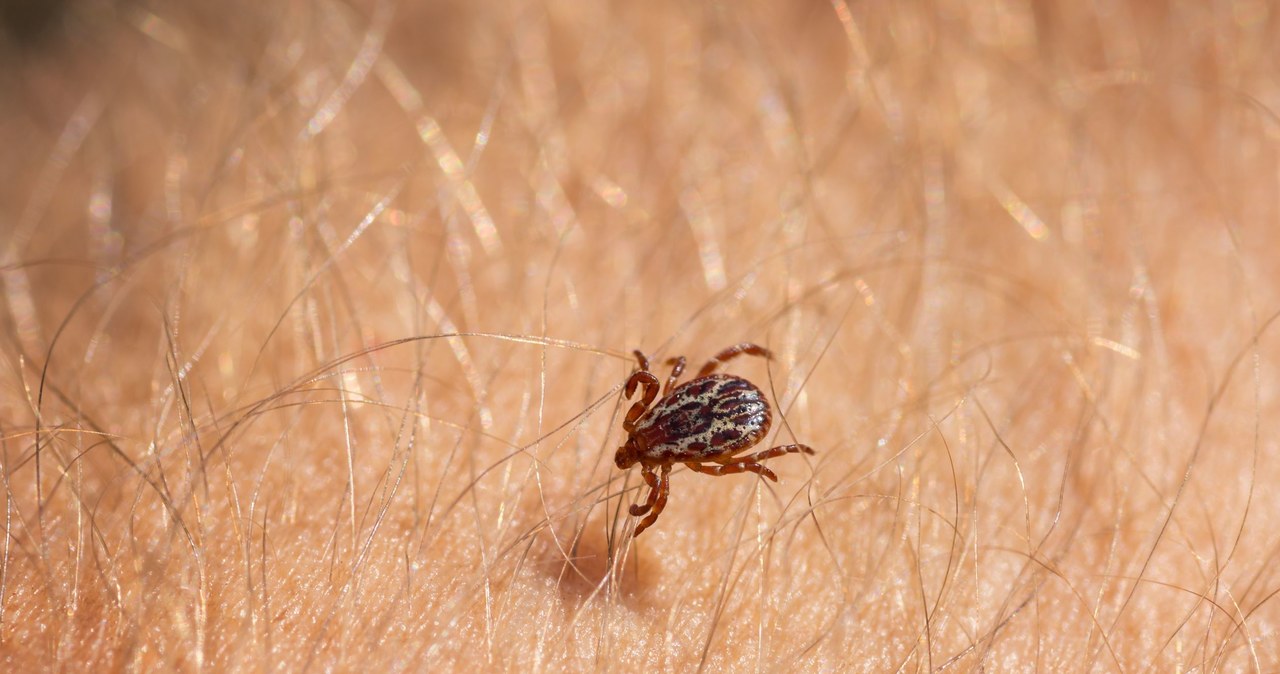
710,418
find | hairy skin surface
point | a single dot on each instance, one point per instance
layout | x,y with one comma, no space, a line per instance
316,317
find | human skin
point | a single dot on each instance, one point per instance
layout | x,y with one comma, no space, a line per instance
316,319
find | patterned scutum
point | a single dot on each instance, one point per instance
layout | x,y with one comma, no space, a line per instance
706,419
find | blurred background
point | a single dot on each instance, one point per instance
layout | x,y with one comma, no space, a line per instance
315,316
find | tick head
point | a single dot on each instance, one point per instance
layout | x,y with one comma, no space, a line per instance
627,455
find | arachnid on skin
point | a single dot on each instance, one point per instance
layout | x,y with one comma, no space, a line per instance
703,423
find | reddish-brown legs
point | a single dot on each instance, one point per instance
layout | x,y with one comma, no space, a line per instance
650,383
704,423
651,479
677,366
731,353
730,468
659,502
769,453
744,464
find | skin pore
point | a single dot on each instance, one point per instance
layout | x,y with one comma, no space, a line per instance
316,318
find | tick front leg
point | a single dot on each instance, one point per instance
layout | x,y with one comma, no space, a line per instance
731,353
651,480
664,488
740,466
650,384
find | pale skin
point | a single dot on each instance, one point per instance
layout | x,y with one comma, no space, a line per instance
318,322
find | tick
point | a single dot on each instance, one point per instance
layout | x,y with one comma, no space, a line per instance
703,423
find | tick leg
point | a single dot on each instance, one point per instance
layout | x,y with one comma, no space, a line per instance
731,353
742,466
768,454
642,359
651,480
677,366
650,384
664,488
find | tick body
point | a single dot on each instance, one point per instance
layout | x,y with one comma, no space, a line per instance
704,423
